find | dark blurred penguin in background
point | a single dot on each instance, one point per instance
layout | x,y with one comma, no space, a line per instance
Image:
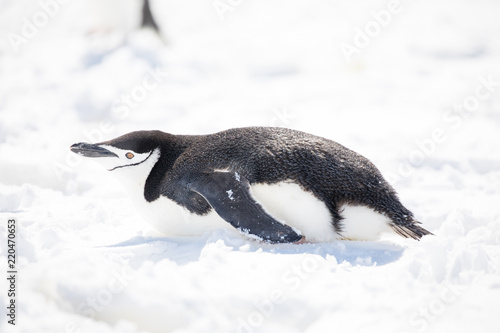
148,20
119,17
110,24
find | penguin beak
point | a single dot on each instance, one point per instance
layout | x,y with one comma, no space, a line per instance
91,150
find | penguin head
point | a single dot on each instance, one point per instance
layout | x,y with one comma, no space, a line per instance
135,152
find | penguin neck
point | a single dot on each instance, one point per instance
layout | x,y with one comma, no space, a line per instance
151,190
164,162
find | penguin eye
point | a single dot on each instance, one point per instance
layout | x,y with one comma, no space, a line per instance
129,155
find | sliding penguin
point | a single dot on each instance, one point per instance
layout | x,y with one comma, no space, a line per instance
273,184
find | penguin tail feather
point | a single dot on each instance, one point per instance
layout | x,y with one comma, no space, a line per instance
410,230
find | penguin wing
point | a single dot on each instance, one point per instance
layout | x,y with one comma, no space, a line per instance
229,194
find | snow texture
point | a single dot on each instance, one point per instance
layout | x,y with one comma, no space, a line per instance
412,85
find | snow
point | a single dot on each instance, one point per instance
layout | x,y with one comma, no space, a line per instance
420,97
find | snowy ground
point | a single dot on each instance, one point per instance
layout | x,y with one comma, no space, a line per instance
412,85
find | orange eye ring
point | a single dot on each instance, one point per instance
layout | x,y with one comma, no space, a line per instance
129,155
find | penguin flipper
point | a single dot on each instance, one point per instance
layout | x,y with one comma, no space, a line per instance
229,194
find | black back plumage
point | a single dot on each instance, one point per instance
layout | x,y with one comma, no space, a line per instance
333,173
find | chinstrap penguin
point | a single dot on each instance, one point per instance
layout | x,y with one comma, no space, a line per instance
273,184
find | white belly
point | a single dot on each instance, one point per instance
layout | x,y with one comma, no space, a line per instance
169,218
285,201
363,223
290,204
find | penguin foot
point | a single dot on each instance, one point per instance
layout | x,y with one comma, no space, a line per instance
301,241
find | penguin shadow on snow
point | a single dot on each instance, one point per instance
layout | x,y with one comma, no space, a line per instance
356,253
185,250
